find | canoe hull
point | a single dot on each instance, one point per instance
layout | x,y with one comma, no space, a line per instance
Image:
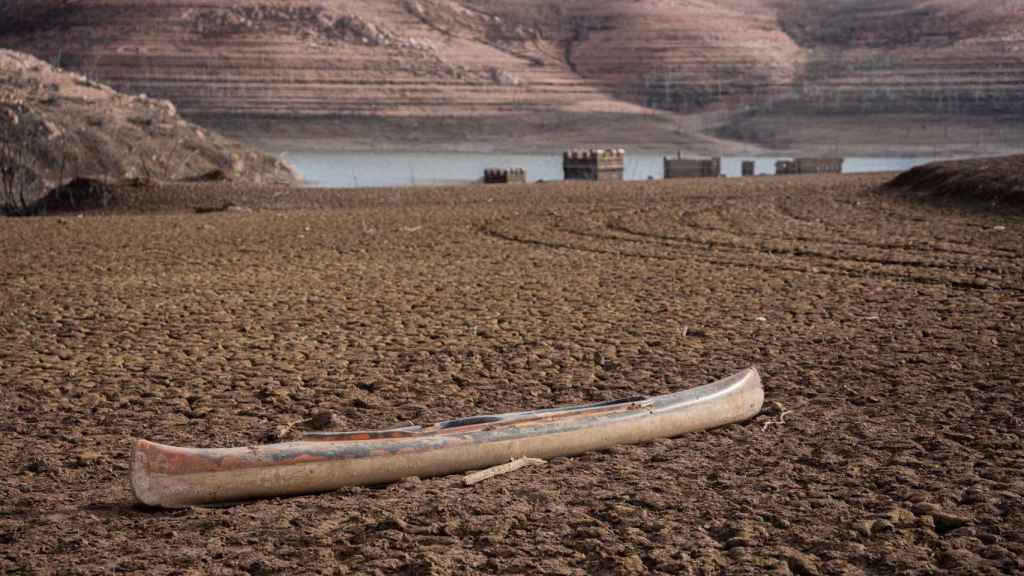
173,477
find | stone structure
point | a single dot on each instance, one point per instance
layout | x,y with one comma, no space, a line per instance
747,168
810,166
680,167
594,164
504,175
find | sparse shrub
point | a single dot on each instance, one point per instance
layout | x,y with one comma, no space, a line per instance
18,180
78,194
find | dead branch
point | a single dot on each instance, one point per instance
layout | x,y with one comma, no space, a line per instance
515,464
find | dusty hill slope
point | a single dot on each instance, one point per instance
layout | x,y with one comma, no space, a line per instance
387,57
997,181
55,125
476,58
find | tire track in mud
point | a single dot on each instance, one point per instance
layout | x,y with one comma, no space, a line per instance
796,252
927,245
721,249
688,218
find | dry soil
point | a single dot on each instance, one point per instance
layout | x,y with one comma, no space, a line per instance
888,332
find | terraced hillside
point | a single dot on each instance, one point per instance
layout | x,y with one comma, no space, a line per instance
388,57
944,56
498,59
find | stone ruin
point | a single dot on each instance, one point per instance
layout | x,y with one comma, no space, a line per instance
810,166
504,175
679,167
594,164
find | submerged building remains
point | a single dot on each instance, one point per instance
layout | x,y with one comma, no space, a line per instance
810,166
679,167
594,164
504,175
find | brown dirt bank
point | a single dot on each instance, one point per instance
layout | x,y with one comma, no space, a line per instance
892,331
779,132
540,132
998,182
790,130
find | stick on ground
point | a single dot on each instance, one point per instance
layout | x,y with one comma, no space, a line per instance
515,464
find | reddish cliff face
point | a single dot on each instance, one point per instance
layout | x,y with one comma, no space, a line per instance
496,58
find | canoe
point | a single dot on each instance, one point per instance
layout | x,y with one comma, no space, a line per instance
174,477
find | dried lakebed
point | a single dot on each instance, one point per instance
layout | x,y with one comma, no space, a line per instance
888,332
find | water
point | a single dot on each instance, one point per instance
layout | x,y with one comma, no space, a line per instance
377,169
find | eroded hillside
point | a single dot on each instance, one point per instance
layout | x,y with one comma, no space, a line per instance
944,56
56,125
491,58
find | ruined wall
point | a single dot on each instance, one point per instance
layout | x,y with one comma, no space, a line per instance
594,164
504,175
680,167
810,166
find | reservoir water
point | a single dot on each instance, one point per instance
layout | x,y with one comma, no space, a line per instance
381,169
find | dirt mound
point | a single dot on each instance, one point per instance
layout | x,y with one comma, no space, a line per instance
56,125
996,181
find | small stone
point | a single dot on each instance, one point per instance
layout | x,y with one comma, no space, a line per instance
632,564
926,508
37,466
974,496
800,563
781,569
900,517
88,457
739,542
946,522
864,527
881,526
365,403
322,421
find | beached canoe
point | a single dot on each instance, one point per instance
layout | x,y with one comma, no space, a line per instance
172,477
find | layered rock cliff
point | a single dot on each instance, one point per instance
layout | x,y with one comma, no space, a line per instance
494,58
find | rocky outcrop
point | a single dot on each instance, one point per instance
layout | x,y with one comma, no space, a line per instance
56,125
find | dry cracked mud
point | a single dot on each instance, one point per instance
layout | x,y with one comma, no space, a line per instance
889,332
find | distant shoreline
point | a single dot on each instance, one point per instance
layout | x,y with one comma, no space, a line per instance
904,135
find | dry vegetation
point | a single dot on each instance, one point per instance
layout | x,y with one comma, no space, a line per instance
889,332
